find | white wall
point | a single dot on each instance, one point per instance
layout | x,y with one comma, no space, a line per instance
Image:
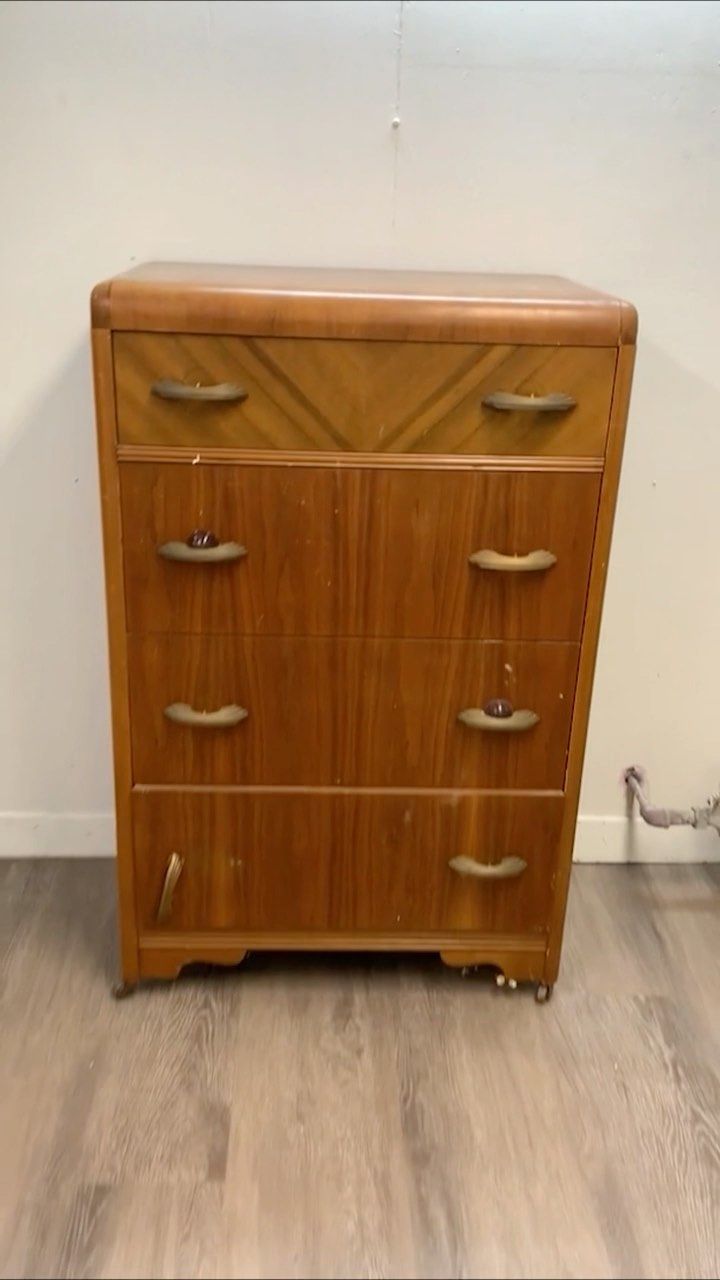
573,138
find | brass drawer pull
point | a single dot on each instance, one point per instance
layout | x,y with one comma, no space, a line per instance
510,867
172,875
202,547
530,563
499,716
509,402
223,718
171,389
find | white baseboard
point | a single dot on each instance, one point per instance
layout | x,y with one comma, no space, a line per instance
611,838
57,835
606,838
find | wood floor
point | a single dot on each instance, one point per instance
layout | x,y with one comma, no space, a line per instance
342,1117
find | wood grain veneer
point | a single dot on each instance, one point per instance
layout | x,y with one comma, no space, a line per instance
364,396
360,472
319,302
358,552
350,712
300,863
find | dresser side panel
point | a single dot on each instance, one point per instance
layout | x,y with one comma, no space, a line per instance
588,650
115,600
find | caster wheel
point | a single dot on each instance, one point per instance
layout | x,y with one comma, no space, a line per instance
543,992
502,981
121,990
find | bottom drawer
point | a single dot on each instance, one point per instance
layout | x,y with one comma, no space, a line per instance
345,862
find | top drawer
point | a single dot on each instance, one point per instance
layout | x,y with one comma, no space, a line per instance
362,396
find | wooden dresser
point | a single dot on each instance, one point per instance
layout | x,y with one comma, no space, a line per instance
356,532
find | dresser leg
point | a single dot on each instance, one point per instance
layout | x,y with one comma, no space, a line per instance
122,989
543,992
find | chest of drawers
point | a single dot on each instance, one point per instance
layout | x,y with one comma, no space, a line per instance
356,531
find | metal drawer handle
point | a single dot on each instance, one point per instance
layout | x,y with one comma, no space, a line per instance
530,563
506,870
172,875
223,718
499,716
509,402
172,389
202,547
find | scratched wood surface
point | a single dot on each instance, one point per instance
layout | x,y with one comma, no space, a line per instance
366,713
240,872
362,552
354,1116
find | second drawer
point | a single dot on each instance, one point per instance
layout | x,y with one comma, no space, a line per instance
328,551
281,711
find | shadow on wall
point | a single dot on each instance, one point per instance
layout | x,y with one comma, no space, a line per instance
53,681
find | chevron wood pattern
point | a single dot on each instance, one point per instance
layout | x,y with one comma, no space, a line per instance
362,396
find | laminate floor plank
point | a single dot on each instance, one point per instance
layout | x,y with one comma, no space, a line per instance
315,1179
688,920
309,1116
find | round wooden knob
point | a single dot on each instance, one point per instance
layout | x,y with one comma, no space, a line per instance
200,538
498,708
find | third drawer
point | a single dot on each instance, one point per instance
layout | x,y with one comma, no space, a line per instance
231,710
